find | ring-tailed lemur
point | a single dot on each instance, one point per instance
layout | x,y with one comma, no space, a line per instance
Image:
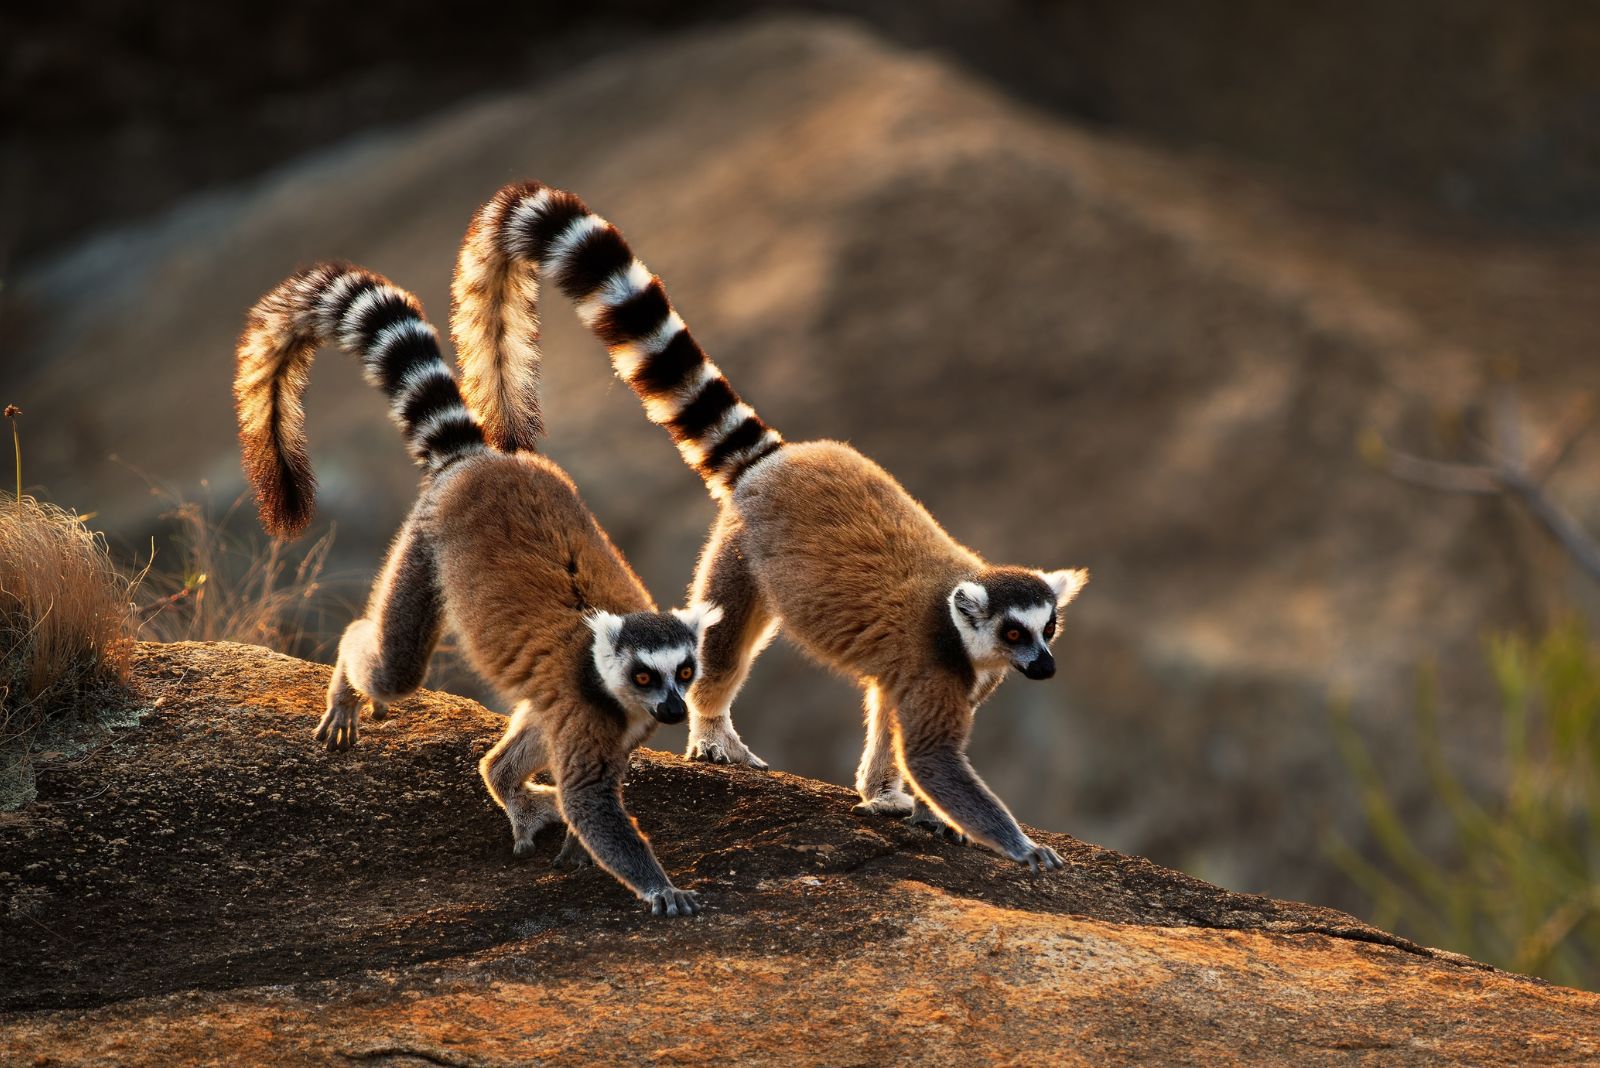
498,547
811,534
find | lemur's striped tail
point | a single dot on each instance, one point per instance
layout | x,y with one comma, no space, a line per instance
368,317
529,230
495,324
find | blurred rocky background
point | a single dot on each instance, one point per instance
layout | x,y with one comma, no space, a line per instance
1106,285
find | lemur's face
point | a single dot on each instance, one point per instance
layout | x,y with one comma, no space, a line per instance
1007,615
647,660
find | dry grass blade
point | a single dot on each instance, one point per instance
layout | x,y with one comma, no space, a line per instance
230,589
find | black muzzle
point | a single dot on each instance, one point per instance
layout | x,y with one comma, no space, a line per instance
1042,666
672,709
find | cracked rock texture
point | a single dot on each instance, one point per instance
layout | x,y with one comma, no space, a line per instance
211,887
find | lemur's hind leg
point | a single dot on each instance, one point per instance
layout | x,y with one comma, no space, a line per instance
508,770
878,778
933,722
384,655
747,625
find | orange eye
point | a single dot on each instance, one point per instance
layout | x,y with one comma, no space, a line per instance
686,673
1013,635
642,678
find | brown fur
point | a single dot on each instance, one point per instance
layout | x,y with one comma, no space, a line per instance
501,549
522,562
849,560
859,574
498,547
813,537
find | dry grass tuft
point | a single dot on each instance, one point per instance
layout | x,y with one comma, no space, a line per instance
64,625
226,588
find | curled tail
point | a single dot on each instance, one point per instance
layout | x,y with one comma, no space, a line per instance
528,230
368,317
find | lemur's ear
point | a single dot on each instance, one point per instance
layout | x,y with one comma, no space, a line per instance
972,601
700,617
607,627
1066,583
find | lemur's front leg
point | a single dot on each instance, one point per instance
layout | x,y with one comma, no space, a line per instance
878,778
723,578
384,655
590,791
931,743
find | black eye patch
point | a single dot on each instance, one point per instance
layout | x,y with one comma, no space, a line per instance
686,671
1050,628
644,677
1013,632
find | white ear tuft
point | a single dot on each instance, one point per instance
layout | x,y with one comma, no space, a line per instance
971,600
607,627
700,617
1066,583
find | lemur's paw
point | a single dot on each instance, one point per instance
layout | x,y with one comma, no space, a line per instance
526,830
1039,858
723,748
338,728
573,856
925,818
378,710
673,902
895,803
528,822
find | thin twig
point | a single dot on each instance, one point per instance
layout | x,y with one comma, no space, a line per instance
1439,475
1579,543
1506,473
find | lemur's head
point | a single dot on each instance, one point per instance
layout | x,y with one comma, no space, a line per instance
648,659
1007,615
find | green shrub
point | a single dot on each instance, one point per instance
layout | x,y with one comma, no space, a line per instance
1521,885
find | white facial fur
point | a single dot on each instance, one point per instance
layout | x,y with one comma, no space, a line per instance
700,617
1066,583
617,667
969,608
980,629
1035,618
613,667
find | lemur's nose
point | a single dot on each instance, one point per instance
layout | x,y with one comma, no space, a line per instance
1042,667
672,709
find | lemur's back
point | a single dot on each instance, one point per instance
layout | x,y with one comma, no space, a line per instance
522,561
827,530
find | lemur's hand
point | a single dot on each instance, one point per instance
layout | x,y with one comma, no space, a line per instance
670,901
721,744
339,726
886,803
1038,858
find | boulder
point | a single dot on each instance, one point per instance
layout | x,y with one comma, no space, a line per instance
213,887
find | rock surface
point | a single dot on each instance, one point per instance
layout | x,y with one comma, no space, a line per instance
1075,351
213,888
